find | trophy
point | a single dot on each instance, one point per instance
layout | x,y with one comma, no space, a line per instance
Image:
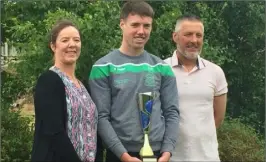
145,101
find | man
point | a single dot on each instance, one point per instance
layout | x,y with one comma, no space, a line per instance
118,77
202,89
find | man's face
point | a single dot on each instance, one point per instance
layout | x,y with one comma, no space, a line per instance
136,31
189,39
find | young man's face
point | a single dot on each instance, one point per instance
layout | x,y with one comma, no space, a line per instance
189,39
136,30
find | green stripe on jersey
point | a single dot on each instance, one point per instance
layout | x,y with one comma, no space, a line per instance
104,70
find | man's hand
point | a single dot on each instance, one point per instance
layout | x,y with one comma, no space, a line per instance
127,158
165,157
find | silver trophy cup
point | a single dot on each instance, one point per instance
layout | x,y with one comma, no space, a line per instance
145,101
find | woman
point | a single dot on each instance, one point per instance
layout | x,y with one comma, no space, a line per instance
65,115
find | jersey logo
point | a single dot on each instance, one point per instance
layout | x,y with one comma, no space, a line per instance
149,80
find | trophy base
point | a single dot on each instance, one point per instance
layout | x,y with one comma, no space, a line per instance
149,159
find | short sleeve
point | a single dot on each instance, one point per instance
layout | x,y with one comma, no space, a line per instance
221,83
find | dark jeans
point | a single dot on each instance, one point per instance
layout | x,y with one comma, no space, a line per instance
110,157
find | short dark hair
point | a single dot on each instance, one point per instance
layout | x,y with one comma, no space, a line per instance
60,25
138,7
189,17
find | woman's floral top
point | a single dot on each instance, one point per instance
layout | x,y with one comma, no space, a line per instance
82,118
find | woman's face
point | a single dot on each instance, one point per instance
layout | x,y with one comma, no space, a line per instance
67,46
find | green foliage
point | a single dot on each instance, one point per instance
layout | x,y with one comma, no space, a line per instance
246,73
239,142
16,136
9,81
160,43
100,34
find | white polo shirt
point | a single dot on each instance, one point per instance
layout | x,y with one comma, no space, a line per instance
197,140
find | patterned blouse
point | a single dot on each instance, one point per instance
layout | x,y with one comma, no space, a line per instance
82,118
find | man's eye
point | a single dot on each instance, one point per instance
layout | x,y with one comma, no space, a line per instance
147,26
199,35
134,25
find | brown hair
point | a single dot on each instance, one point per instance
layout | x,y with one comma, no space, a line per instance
136,7
60,25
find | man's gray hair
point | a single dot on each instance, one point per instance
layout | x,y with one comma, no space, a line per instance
186,17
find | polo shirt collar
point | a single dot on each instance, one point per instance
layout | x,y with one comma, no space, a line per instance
176,62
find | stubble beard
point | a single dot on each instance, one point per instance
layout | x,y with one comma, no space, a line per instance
188,55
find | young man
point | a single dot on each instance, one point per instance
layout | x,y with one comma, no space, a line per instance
117,78
202,90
